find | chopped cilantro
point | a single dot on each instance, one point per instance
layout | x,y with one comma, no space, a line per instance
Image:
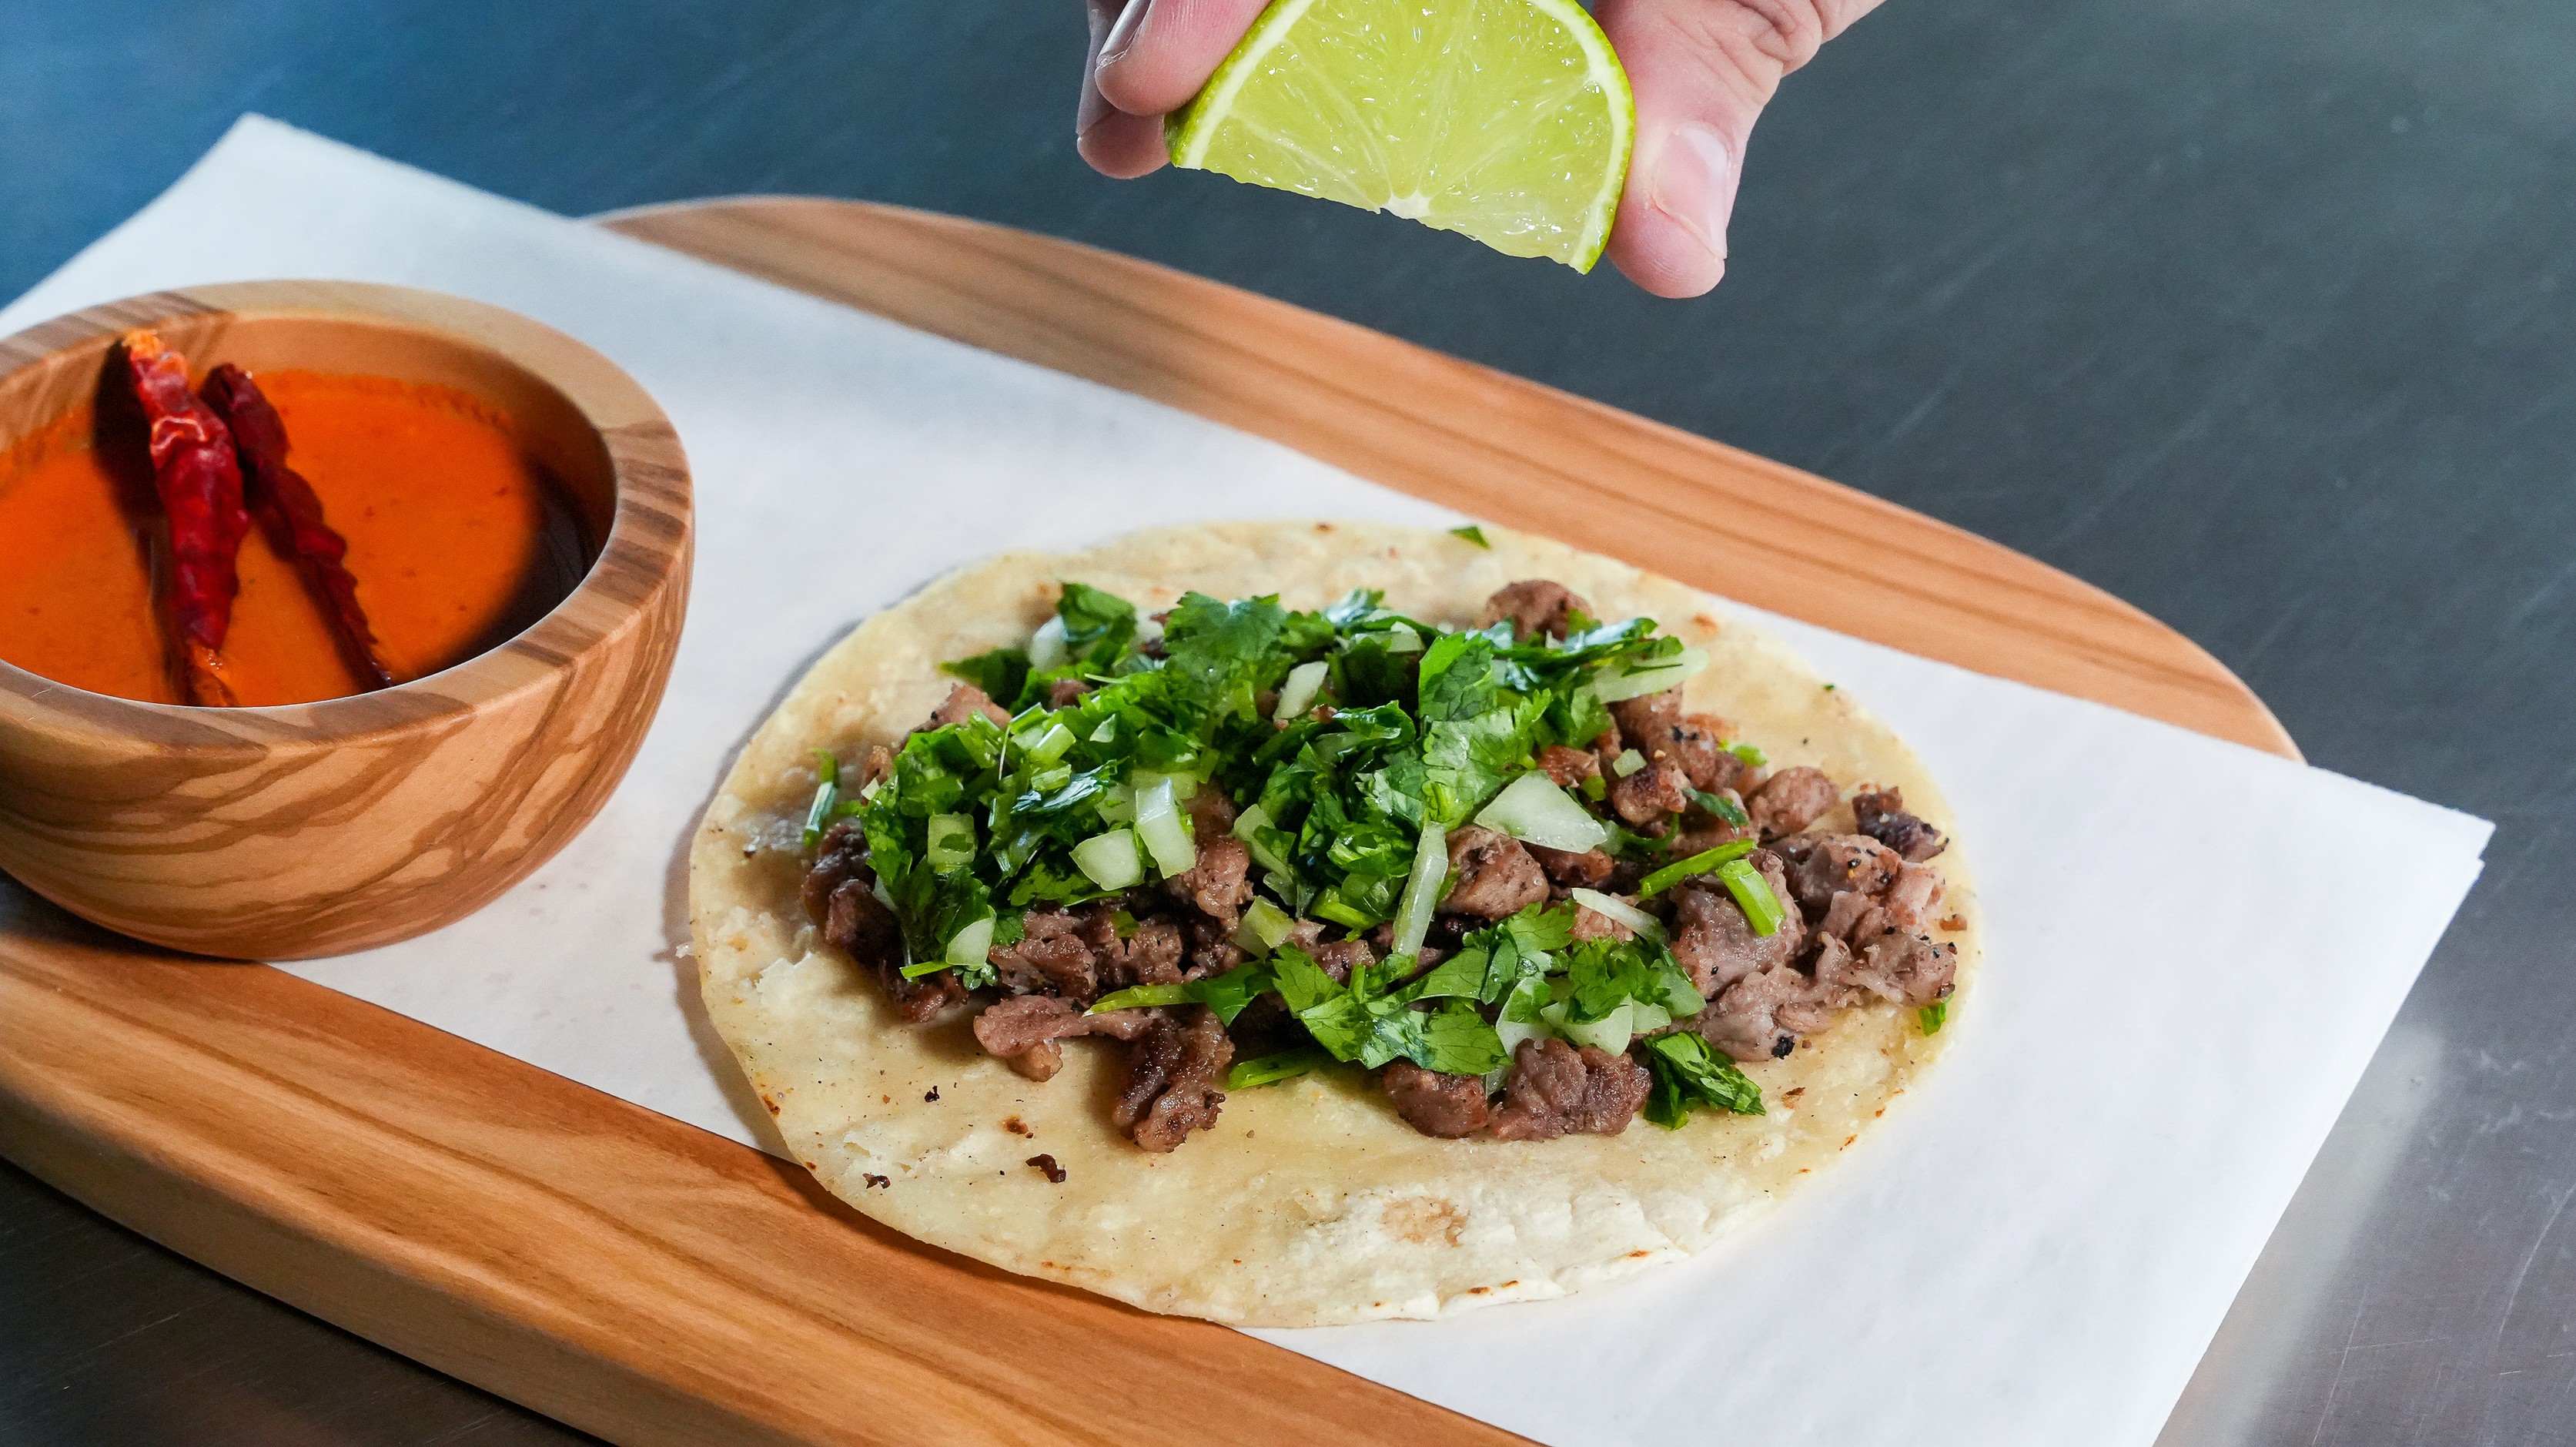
1700,863
1471,533
977,823
1000,672
1934,1016
1687,1074
1270,1069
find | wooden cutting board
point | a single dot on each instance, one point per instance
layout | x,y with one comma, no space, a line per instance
651,1283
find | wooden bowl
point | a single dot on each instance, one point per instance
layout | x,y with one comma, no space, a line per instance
312,829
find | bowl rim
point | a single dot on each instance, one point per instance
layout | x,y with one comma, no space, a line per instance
647,548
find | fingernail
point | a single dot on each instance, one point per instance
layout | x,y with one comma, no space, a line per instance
1695,184
1122,34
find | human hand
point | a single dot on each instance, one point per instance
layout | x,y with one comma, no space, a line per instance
1702,71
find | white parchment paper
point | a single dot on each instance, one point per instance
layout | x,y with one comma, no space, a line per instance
2036,1250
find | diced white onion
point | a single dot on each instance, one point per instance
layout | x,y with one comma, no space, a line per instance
1513,1033
1117,805
1402,639
1608,1033
1047,647
1619,909
969,945
1108,730
1660,674
1110,859
1532,808
1645,1019
1628,762
1048,744
1298,694
1158,824
1516,1031
1247,827
951,842
1264,926
1421,890
1183,785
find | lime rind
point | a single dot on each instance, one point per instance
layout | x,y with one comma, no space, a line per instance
1466,115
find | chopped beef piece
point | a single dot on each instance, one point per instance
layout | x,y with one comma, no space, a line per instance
1066,692
1023,1030
1447,1106
840,896
1212,950
1150,955
1904,967
1121,1024
1761,1016
1051,958
1914,894
1646,722
1589,870
1173,1071
1537,608
1831,864
1215,886
1881,814
1211,813
1694,741
1336,956
962,702
1555,1089
1340,957
1650,794
1592,924
1790,800
1713,941
840,858
1494,875
1844,913
1568,767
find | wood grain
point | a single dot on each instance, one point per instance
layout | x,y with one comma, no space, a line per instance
631,1275
1490,445
653,1284
320,828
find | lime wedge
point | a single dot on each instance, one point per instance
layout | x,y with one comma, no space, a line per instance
1507,120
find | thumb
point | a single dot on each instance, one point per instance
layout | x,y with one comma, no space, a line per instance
1702,70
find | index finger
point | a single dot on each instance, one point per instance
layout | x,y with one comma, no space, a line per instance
1160,52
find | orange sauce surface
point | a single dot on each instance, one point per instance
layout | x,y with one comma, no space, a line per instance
457,539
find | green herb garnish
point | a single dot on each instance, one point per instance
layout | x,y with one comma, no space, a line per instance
1700,863
1687,1074
827,796
1471,533
1753,895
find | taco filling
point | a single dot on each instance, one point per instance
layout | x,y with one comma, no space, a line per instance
1497,866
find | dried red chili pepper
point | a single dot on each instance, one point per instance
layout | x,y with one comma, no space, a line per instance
292,516
200,486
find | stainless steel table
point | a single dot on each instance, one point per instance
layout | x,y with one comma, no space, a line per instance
2261,316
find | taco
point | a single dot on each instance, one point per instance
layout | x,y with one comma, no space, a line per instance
1302,923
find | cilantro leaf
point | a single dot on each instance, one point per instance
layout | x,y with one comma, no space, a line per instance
1097,624
1224,653
1000,672
1687,1074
